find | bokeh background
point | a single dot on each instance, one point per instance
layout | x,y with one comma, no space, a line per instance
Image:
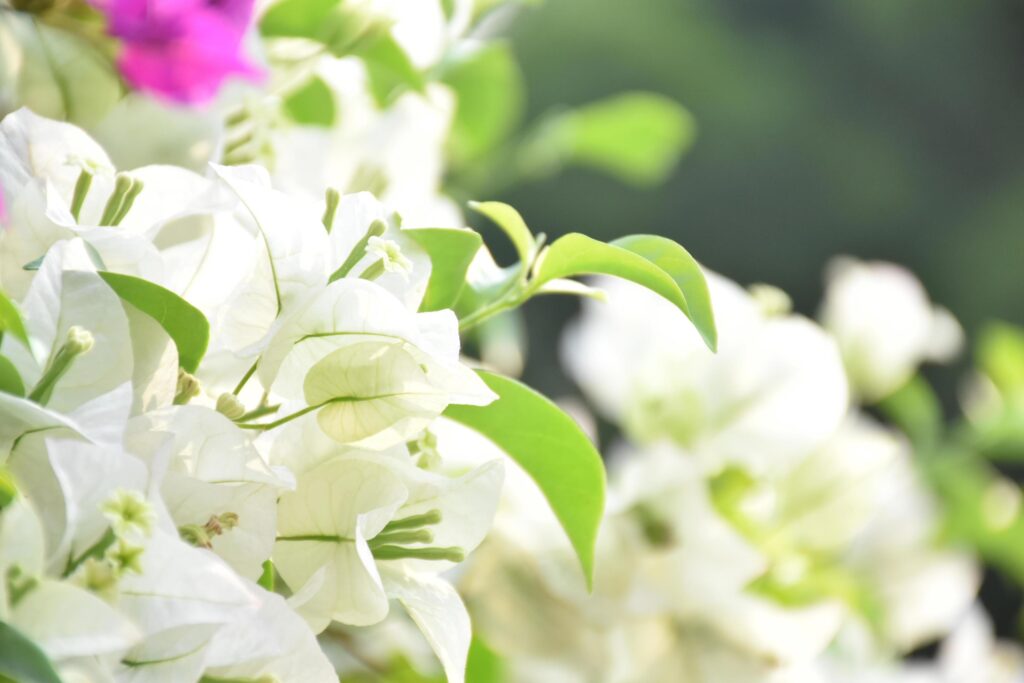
885,130
891,130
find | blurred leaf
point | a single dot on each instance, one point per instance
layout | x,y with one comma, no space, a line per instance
982,509
389,69
10,320
312,104
56,73
509,220
484,665
577,254
916,410
636,137
553,450
451,250
1000,355
184,323
21,660
672,258
489,100
312,19
10,378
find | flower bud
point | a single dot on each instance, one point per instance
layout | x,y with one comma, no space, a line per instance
229,406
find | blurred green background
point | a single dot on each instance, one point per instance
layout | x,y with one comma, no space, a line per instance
876,128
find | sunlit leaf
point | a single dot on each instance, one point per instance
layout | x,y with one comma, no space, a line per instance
10,320
184,323
552,449
389,68
451,250
10,378
684,269
509,220
312,104
576,254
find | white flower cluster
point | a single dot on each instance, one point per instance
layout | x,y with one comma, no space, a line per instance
761,525
151,501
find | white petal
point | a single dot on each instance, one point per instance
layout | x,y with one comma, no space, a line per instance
437,609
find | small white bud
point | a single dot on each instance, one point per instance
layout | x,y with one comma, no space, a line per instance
390,255
229,406
80,340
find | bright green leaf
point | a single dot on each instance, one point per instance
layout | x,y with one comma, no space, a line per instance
552,449
576,254
184,323
10,378
509,220
451,250
684,269
21,660
10,320
312,104
489,100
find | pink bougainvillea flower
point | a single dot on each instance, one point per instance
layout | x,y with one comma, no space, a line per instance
181,50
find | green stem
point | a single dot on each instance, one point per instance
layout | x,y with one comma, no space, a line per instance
95,550
266,426
376,229
245,378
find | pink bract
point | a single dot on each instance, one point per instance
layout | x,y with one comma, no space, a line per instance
181,50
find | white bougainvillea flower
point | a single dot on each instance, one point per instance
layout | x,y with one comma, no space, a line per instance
274,644
774,391
65,186
885,325
396,153
376,372
67,621
359,530
71,314
361,224
217,487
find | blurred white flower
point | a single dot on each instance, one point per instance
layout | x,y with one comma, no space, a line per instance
885,325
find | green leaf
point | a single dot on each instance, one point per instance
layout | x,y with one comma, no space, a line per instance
576,254
10,378
21,660
451,250
636,137
509,220
552,449
489,100
180,319
1000,355
312,104
684,269
389,69
300,19
916,410
10,320
483,665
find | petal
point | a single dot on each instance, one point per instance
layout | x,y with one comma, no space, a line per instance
437,609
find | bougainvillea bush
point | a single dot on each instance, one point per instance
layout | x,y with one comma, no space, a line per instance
258,413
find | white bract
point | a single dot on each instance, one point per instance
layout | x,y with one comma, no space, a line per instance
153,497
885,324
